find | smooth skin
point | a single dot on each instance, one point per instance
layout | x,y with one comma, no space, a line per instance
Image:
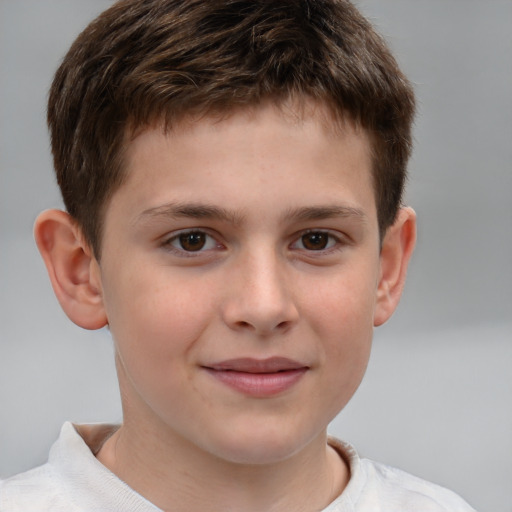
252,236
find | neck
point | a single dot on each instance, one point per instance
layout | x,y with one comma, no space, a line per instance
174,474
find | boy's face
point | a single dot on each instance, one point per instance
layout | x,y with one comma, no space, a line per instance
239,274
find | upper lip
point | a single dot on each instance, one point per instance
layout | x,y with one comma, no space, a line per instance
252,365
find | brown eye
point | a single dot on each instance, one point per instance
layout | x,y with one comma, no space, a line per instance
315,241
192,241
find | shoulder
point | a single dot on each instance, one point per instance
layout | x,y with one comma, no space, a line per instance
72,480
376,487
44,488
408,491
38,489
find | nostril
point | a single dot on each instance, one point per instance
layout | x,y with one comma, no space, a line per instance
244,324
281,326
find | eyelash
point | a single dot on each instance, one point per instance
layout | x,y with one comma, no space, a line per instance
210,240
335,242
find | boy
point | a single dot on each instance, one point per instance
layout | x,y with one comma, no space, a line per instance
232,174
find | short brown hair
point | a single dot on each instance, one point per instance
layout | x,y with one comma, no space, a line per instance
143,61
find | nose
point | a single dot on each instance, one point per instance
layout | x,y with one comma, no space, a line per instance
260,296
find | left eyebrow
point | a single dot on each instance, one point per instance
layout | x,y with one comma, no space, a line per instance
326,212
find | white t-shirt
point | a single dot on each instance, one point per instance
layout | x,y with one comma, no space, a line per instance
74,480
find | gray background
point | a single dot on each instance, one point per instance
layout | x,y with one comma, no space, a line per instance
437,397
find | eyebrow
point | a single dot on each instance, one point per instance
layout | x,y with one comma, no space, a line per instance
325,212
192,211
213,212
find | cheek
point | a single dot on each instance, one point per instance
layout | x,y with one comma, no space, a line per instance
346,350
347,332
155,318
342,318
344,303
156,335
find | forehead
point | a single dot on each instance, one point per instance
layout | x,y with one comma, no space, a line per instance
285,151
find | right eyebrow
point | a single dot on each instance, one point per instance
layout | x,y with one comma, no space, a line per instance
191,211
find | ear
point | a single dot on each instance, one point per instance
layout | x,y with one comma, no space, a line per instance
397,248
73,270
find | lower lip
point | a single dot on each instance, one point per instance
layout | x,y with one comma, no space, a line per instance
259,385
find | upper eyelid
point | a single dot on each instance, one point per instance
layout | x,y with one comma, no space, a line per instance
331,232
175,234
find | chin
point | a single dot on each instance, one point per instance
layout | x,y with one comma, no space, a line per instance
260,448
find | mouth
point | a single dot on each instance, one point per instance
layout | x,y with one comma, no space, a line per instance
258,377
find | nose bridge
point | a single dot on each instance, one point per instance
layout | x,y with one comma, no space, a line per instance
260,297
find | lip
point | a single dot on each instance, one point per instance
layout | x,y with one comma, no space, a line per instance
258,377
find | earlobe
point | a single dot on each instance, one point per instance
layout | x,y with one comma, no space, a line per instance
73,270
397,248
